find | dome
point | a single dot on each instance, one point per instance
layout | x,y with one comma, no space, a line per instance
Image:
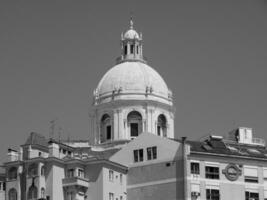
131,34
132,78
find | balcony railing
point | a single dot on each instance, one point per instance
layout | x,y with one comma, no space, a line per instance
73,181
258,141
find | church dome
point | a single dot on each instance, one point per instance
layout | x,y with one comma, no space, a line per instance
131,34
132,78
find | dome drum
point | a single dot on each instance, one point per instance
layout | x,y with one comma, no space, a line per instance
125,122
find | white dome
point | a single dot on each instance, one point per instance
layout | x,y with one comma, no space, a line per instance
131,34
133,78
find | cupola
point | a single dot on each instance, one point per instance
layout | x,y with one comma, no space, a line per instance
131,45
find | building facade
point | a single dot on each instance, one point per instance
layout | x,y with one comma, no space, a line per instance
132,152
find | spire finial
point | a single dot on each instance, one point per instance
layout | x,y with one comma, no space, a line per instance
131,21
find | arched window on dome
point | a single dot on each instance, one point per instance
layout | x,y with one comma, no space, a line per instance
32,193
106,128
12,194
134,121
162,126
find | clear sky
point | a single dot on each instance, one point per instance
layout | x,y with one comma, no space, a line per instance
212,54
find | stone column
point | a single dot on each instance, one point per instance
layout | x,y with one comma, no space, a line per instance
115,125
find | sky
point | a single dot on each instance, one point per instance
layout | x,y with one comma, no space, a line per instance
212,55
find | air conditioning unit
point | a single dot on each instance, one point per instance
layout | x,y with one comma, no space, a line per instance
195,194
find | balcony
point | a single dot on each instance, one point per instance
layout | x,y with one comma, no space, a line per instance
258,141
75,181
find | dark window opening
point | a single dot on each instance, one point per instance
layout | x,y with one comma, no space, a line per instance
108,132
194,168
12,173
135,155
137,49
212,172
212,194
151,153
70,173
162,125
158,130
132,49
138,155
125,50
141,155
252,195
154,152
12,194
134,129
251,179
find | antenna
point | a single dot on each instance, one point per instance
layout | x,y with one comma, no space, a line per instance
52,128
60,130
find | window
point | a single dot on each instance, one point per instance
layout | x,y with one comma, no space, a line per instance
111,175
4,186
70,173
121,197
251,174
138,155
252,195
212,194
151,153
105,128
135,124
40,154
121,179
125,50
81,173
42,193
32,193
265,194
132,48
137,49
134,129
158,130
12,173
33,170
12,194
194,168
43,170
111,196
108,132
154,152
212,172
251,179
162,125
70,195
64,151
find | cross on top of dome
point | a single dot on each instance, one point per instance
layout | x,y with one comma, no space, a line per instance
131,23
